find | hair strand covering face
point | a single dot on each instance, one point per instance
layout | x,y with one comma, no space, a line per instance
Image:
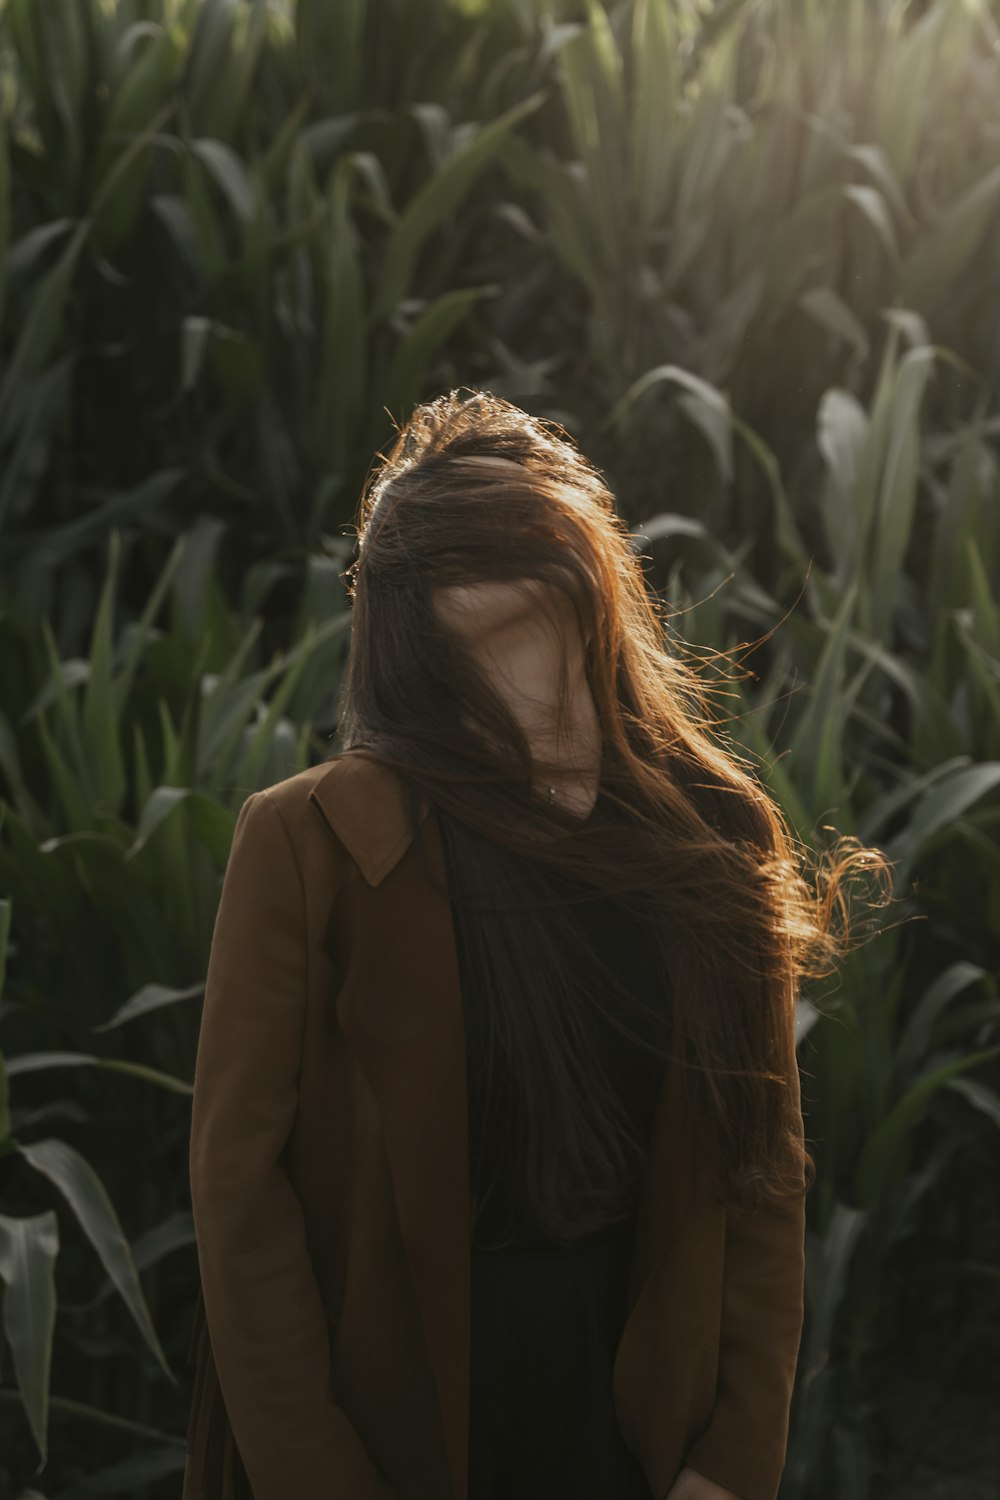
696,849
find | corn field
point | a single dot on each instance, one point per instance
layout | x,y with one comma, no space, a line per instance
748,252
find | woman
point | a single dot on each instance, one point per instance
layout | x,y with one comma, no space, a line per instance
497,1155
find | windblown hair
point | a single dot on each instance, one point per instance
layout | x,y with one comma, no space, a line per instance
696,848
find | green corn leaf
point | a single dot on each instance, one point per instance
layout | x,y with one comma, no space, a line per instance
42,1062
274,164
827,1268
73,796
28,1250
800,246
569,224
87,1196
5,251
607,60
917,1037
898,486
221,106
905,1217
44,322
815,751
201,215
237,363
591,77
731,321
4,1103
749,732
101,702
211,50
832,314
212,823
21,17
150,997
372,175
410,363
941,805
33,244
980,676
878,166
142,506
842,433
329,41
136,647
63,675
708,409
966,511
885,1155
143,81
436,200
983,599
289,670
985,1099
869,481
872,206
786,531
910,325
341,388
17,795
900,105
255,270
231,175
65,60
5,911
322,141
35,408
178,223
227,709
119,194
261,743
195,331
140,98
435,126
655,94
940,256
31,877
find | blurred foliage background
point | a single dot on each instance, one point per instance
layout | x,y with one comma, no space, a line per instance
749,254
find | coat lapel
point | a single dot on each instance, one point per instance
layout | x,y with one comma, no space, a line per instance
400,1006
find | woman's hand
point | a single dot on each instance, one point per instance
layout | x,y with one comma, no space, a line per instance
690,1485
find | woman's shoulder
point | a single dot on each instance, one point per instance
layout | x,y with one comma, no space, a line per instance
354,797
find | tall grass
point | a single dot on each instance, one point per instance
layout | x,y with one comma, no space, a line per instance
748,253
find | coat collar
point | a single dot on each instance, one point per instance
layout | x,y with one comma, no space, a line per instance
399,1004
364,803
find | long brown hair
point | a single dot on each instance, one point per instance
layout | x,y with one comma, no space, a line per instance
695,848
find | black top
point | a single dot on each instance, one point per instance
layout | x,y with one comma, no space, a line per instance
547,1318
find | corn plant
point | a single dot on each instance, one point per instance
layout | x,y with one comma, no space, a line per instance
231,236
728,209
880,713
747,253
145,750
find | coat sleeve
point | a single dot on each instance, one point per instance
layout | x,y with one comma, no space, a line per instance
763,1303
262,1302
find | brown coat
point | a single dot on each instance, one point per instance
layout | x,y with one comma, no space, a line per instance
329,1183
